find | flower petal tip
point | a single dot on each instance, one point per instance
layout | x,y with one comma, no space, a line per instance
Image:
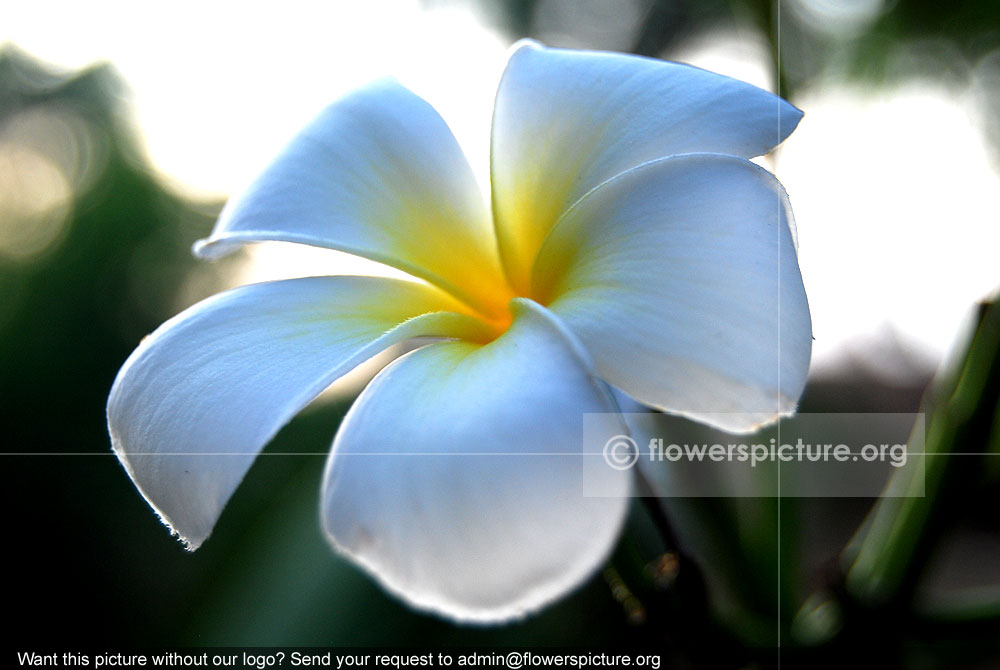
525,43
211,249
433,604
190,542
788,119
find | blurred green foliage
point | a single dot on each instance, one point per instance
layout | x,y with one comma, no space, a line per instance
808,37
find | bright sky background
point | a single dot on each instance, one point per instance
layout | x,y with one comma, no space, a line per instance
896,201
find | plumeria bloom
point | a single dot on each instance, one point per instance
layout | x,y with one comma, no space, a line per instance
630,250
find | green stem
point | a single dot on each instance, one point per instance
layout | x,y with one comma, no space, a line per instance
893,550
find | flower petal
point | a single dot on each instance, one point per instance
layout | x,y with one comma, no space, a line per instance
567,120
457,479
683,283
202,395
377,174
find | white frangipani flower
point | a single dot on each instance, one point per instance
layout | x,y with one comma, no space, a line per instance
630,243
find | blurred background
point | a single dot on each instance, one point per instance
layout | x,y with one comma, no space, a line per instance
123,128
